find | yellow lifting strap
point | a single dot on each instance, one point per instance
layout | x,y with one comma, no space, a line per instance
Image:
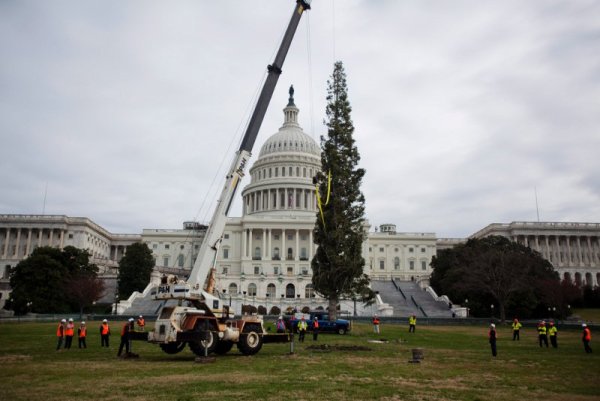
319,203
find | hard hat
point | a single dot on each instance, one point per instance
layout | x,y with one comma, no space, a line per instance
131,319
315,318
104,320
70,319
63,321
280,317
83,323
141,316
584,325
492,325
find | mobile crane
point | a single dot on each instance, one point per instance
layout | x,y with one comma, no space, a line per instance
198,317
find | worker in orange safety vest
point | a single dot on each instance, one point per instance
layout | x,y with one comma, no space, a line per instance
60,333
141,323
82,334
376,324
586,337
315,329
69,333
104,333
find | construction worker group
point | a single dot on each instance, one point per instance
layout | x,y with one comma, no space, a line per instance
66,331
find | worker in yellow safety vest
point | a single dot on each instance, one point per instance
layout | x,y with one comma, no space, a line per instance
302,327
412,324
542,333
553,333
516,326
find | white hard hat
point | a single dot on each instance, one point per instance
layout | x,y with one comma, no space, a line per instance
280,317
104,320
83,323
141,316
131,319
584,325
63,321
492,325
70,319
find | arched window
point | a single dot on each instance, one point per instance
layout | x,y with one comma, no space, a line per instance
588,279
271,291
290,291
290,254
309,291
578,278
252,289
233,289
257,253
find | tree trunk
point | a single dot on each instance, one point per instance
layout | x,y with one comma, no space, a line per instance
333,308
502,312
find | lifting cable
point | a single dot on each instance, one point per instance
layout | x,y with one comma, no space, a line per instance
319,202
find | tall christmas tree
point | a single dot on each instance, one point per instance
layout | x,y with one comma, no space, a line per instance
339,231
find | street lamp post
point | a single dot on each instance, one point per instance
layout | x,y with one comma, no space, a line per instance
267,304
467,306
492,306
243,300
116,303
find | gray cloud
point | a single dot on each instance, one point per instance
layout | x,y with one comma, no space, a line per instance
126,110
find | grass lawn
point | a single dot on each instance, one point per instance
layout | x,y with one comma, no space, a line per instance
588,314
458,366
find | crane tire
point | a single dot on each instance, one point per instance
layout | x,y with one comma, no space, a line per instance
223,347
173,348
251,340
198,346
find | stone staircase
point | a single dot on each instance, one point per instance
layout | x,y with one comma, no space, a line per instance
407,298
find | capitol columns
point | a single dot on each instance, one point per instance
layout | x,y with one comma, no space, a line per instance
5,251
265,251
18,242
28,248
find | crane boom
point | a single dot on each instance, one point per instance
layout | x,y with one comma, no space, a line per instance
200,319
208,249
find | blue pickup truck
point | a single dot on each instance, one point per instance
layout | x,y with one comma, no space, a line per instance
339,326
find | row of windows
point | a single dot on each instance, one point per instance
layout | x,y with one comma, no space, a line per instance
411,264
276,171
257,255
290,291
410,249
167,259
276,270
168,246
296,198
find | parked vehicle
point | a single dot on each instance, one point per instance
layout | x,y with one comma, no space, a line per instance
339,326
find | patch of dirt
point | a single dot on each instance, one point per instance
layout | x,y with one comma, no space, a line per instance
14,358
334,347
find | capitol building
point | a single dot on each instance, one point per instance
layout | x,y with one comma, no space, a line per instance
265,255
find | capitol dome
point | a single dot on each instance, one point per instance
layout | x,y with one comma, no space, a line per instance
281,177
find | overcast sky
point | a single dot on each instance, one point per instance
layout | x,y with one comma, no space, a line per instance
123,111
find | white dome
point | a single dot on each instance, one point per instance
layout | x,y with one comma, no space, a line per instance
290,139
